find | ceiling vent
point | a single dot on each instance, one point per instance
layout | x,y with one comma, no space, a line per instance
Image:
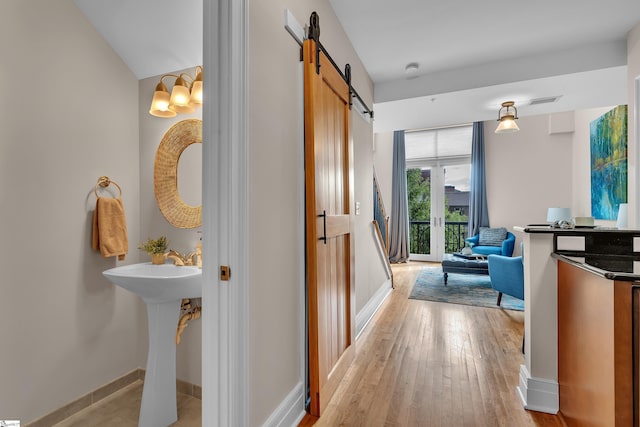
545,100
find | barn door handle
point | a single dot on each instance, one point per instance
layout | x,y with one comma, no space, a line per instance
323,215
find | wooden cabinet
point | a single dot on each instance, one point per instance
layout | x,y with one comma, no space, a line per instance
596,348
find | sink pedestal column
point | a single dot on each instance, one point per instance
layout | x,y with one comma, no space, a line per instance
159,407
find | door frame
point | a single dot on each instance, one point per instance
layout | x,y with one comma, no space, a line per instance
438,181
437,212
225,389
634,215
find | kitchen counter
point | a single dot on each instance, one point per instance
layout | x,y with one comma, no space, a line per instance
610,255
612,267
534,228
597,315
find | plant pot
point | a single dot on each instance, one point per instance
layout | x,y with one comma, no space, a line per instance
157,259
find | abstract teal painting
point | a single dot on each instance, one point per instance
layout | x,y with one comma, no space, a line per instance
609,163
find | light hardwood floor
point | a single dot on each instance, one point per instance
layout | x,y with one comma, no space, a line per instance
122,409
422,363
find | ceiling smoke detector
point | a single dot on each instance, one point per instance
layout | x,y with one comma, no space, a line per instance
411,69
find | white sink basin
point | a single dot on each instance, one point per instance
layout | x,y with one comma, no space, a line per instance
162,287
158,283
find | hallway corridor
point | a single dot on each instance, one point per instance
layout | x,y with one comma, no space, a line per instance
422,363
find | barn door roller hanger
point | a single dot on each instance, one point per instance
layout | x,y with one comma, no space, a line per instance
314,34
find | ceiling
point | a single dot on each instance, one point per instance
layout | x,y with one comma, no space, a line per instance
471,55
152,37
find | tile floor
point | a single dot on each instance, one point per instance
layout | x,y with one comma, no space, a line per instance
122,409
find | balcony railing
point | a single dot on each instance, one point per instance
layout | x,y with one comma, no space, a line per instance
455,232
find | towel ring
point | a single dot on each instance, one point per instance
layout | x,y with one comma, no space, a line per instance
104,182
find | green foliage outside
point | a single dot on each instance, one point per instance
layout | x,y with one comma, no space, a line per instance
419,194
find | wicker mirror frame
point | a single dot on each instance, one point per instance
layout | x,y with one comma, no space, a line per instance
165,174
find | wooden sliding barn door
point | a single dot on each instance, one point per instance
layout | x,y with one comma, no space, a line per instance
328,176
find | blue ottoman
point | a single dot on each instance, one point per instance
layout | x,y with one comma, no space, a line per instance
463,265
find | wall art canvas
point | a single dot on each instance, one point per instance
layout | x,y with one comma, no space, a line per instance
609,163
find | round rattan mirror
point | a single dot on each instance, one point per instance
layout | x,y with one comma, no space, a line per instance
165,174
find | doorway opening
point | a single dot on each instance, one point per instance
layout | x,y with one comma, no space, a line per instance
438,173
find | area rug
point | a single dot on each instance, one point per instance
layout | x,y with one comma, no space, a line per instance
468,289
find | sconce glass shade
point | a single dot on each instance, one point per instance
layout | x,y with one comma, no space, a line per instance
196,94
180,97
507,125
196,89
184,98
507,115
160,102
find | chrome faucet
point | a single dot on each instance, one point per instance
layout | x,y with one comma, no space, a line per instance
181,260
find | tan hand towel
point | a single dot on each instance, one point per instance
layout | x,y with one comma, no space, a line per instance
110,228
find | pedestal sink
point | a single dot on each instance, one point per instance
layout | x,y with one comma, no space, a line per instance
162,288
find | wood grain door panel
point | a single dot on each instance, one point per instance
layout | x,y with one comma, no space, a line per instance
328,184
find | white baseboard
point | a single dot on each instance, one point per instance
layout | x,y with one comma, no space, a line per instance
290,411
537,394
367,312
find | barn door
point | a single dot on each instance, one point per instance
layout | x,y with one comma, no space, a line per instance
328,176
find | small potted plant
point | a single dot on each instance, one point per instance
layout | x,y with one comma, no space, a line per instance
156,248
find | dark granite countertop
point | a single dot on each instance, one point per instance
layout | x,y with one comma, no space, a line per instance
613,267
580,231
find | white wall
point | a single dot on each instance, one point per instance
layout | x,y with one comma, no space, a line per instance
633,82
274,205
383,162
275,197
535,169
553,169
370,272
527,172
69,115
153,224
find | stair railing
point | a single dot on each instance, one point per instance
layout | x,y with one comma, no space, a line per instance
381,225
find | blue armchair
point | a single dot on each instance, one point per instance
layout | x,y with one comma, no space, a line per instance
505,250
507,276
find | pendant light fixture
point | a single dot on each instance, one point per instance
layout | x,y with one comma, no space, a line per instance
507,116
185,97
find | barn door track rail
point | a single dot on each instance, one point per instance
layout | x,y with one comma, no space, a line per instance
314,34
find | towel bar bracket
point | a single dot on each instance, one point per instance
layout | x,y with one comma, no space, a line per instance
104,182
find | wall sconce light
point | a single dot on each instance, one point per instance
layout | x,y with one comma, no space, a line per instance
186,95
507,116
